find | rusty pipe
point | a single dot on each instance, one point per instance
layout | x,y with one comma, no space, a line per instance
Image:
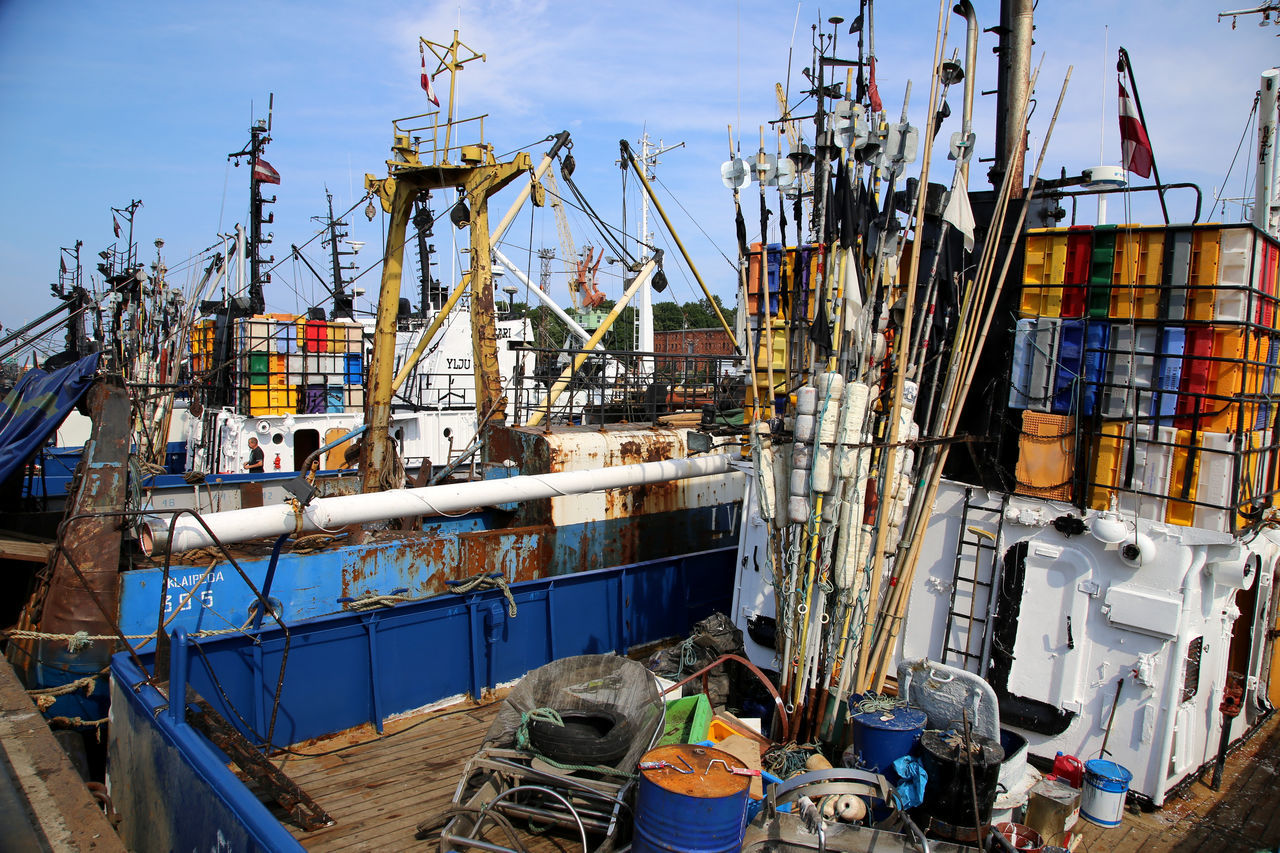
323,514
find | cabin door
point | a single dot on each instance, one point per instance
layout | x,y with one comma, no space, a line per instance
305,442
335,459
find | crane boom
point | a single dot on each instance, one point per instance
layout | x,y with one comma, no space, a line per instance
566,237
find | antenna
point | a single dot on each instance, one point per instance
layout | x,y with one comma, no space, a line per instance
271,99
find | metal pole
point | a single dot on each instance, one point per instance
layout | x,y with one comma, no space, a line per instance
630,157
1126,65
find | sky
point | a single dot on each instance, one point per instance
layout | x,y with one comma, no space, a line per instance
105,102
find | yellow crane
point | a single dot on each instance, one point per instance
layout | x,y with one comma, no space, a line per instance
566,237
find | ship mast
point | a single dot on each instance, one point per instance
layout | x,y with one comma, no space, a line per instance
342,304
260,172
473,170
649,155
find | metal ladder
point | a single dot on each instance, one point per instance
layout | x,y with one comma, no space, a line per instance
967,641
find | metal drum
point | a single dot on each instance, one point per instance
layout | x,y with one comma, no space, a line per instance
882,737
703,811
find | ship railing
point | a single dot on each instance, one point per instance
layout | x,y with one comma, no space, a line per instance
437,391
430,141
633,386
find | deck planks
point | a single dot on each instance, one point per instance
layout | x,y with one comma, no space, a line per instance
379,789
1243,815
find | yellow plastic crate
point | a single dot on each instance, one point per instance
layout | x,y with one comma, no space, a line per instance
1046,456
1108,461
1044,272
1135,280
1182,511
1203,277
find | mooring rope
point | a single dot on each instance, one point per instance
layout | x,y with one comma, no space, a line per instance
484,582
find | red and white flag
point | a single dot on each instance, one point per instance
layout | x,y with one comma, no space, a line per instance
426,83
115,224
265,173
1135,147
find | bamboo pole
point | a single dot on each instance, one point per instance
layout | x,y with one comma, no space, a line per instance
974,299
913,553
903,349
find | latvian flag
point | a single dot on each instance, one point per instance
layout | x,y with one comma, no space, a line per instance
1135,147
426,83
265,173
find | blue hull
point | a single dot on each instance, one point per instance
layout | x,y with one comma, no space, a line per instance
174,789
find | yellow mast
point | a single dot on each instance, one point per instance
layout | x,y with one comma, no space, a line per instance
478,176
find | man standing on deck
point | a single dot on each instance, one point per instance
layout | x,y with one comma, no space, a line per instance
255,457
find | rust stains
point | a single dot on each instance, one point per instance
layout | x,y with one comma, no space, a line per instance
519,553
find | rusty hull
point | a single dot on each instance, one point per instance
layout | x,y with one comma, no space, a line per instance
93,544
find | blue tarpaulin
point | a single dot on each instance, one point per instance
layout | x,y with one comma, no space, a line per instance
36,406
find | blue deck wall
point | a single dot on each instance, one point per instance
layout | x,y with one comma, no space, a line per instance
172,786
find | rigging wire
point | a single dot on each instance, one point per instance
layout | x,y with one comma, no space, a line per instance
1248,128
732,264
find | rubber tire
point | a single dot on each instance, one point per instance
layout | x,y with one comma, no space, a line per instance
593,736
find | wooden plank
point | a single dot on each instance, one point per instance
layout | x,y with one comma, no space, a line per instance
21,549
62,812
372,769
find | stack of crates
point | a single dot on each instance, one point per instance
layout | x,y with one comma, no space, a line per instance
1158,347
202,333
789,275
285,364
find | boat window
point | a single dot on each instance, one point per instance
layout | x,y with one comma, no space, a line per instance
1191,669
277,438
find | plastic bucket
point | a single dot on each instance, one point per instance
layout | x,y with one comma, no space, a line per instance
699,812
1105,786
1021,837
882,737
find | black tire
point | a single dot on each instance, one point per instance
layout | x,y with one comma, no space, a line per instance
594,736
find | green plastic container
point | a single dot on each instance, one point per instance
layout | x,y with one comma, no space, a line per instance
687,720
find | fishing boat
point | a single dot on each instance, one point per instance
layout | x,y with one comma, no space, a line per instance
1067,516
1091,572
108,583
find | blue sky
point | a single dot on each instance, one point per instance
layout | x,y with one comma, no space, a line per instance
104,102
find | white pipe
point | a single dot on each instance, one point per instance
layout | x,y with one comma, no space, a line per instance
327,513
546,299
1266,204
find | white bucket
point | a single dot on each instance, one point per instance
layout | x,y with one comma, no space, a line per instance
1105,786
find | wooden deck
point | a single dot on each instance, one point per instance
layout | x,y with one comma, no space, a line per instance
379,789
1244,815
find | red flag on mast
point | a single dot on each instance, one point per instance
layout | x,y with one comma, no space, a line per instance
115,224
426,83
265,173
1135,147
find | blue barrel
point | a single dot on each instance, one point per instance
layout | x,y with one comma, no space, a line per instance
700,812
882,737
1105,786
